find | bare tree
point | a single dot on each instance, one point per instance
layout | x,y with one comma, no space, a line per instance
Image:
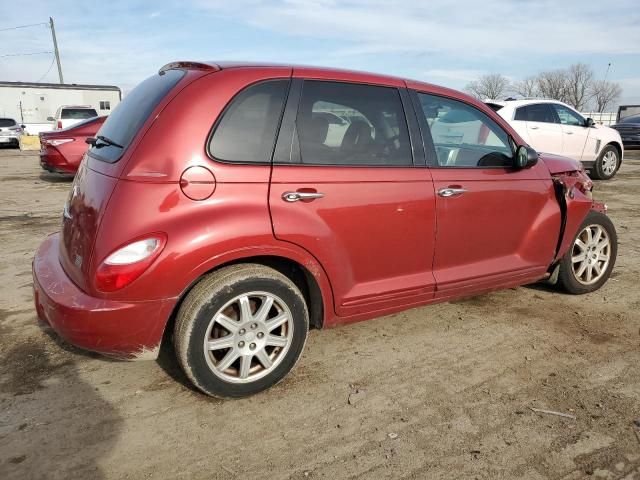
493,86
553,84
579,82
605,94
526,88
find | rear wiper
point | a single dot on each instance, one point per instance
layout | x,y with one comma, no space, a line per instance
106,140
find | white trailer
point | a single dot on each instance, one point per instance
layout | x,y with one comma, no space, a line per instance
31,104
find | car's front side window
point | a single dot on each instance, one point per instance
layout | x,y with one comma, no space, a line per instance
352,124
464,136
568,116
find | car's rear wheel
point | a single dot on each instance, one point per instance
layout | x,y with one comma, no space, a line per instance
607,163
588,263
240,330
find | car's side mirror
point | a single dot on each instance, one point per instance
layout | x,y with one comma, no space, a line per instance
589,123
525,157
51,119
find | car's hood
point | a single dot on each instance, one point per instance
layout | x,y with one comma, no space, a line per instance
558,164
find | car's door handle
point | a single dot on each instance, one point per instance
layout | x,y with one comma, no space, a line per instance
534,128
296,196
568,133
451,192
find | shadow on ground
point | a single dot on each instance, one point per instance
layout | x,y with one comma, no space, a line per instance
54,425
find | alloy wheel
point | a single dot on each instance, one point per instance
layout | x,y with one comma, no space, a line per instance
248,337
590,254
609,163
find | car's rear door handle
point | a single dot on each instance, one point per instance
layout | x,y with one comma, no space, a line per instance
451,192
569,133
533,127
296,196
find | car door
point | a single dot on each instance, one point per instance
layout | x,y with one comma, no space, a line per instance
358,203
496,226
543,129
575,132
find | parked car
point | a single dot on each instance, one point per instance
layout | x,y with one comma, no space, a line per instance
231,227
554,127
629,130
69,115
62,150
10,132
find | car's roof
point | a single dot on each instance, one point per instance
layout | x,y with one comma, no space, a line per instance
524,101
78,106
356,74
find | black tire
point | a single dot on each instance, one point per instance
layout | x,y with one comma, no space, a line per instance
567,278
599,172
207,298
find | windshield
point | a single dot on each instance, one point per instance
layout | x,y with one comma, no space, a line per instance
633,119
78,113
128,117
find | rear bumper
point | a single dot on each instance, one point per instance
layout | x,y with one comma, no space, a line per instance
9,140
128,330
55,162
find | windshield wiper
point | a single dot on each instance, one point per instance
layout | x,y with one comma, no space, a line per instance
106,140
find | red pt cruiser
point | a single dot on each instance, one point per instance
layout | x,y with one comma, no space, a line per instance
234,206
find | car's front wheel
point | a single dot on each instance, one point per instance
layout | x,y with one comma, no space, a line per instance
240,330
607,163
588,263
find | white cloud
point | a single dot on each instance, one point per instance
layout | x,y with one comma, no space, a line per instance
454,75
465,28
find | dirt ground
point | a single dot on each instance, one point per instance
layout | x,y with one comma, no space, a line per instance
438,392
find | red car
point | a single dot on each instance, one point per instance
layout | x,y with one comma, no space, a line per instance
62,150
231,207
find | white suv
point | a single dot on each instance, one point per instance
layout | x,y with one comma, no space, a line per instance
552,127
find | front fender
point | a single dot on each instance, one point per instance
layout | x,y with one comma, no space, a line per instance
576,202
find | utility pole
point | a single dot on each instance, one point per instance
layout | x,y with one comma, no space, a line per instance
55,49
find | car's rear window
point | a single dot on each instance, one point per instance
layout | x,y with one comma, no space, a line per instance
7,122
127,118
78,113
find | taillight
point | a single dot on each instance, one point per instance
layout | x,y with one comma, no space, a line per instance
57,141
127,263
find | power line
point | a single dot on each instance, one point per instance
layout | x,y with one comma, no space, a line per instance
23,26
48,69
23,54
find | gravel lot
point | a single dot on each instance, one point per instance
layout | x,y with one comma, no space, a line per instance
437,392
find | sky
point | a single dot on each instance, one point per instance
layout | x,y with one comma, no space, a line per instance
121,42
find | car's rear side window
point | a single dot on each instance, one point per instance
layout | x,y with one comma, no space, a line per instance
78,113
246,132
129,115
536,112
7,122
352,124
